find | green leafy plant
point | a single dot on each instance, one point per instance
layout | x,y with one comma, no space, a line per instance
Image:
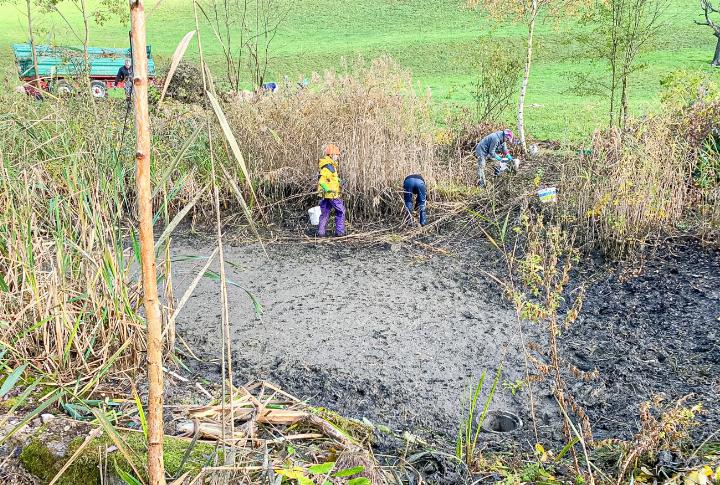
514,386
543,269
469,433
11,380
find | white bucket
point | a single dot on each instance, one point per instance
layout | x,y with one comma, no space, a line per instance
314,214
547,195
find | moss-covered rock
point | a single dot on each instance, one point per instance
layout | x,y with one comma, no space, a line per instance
41,461
37,459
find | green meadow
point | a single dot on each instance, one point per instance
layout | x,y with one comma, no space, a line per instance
437,40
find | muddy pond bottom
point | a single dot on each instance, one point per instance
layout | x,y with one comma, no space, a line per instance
400,338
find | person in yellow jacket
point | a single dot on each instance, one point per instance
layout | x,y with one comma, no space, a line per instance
329,191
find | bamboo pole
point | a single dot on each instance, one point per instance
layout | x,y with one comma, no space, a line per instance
225,314
156,468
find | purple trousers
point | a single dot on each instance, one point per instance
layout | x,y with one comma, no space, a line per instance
326,205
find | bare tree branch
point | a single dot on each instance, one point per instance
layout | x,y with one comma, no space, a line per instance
707,10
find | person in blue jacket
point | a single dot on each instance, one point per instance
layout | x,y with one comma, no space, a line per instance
489,147
124,75
414,188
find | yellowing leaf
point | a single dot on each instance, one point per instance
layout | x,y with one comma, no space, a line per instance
294,473
541,453
696,477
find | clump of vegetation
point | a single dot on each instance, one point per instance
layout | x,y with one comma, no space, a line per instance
498,75
657,177
65,270
372,113
669,431
187,84
466,445
542,267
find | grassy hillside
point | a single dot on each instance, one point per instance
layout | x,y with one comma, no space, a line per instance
434,38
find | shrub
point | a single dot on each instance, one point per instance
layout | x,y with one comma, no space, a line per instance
499,66
644,182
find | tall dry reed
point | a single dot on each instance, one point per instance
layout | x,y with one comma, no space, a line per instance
68,302
372,112
69,252
643,183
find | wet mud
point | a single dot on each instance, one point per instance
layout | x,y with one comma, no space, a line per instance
398,336
651,329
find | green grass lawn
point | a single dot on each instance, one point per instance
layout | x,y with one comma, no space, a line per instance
433,38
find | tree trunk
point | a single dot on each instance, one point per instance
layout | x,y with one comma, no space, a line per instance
716,58
156,468
624,101
613,77
32,44
613,89
86,40
617,9
526,77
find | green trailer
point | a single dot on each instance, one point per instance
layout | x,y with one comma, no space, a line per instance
61,69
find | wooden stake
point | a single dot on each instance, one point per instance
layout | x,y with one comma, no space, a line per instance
156,468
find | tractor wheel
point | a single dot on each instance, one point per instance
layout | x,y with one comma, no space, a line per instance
63,88
98,89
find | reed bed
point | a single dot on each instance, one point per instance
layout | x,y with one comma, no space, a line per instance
659,178
69,257
372,112
68,302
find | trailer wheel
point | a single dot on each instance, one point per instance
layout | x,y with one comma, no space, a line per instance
98,89
63,88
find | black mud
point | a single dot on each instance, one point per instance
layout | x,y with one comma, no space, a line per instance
652,329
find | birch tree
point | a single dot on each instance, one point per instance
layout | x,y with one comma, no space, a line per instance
527,13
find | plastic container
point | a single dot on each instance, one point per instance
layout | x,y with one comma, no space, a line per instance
547,195
501,422
314,214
